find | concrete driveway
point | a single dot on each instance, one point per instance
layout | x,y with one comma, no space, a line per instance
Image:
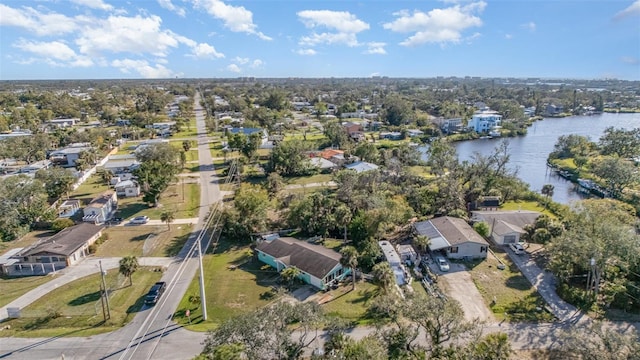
458,285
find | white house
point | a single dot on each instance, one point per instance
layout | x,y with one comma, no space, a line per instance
128,188
506,226
485,121
68,156
101,208
68,208
453,237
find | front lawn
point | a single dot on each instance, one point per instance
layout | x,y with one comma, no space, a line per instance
184,204
351,305
143,240
236,283
507,292
13,288
75,309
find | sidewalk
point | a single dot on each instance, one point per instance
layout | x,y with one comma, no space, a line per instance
545,283
125,222
69,274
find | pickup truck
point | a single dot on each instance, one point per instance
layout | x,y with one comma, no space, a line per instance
155,292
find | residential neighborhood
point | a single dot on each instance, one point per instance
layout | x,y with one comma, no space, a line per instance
337,206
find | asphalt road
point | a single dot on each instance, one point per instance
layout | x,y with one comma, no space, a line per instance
140,339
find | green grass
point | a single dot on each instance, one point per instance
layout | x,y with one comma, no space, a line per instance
13,288
421,171
74,309
305,180
525,205
507,292
130,240
237,283
26,240
351,305
171,198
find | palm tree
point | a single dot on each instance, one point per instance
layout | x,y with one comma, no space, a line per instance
383,275
128,265
350,259
168,216
547,190
289,275
422,242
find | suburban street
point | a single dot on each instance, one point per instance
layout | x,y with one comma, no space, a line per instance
152,334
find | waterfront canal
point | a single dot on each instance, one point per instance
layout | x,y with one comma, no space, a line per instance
529,153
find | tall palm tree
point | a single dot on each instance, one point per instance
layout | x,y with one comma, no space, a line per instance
289,275
168,216
422,242
547,190
350,259
128,265
383,275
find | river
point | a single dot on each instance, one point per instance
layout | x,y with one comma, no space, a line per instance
529,153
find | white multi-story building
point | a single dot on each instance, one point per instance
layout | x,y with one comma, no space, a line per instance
485,121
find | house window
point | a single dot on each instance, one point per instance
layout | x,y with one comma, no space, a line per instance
483,249
454,250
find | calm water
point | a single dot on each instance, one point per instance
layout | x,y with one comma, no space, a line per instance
529,153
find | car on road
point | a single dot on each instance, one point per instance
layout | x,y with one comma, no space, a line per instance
155,292
140,220
517,249
443,265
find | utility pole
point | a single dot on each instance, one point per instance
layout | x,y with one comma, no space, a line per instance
105,293
203,300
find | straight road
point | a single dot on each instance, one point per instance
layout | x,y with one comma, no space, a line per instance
152,334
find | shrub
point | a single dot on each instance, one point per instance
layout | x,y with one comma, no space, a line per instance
61,224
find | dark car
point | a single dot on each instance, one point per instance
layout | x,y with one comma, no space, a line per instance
155,292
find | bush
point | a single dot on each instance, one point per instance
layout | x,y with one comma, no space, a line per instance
93,248
61,224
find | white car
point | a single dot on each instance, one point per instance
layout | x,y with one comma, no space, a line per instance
442,264
517,248
140,220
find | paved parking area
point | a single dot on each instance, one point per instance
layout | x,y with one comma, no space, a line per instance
458,285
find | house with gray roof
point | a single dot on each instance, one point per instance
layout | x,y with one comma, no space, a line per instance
453,237
506,226
66,248
68,156
361,166
318,265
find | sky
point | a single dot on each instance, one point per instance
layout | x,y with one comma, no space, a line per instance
113,39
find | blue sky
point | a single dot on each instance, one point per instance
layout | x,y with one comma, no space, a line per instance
98,39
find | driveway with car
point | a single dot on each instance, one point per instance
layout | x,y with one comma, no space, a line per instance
458,285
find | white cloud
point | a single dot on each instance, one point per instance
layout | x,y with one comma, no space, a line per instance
631,60
257,63
341,21
137,35
204,50
37,22
94,4
438,25
143,68
531,26
508,36
240,60
376,48
234,68
306,52
235,18
631,10
343,27
167,4
54,53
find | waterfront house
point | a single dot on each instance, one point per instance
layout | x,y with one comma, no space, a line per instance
63,249
101,208
506,226
453,237
553,110
484,121
318,265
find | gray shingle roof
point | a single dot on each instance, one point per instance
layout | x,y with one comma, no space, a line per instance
316,260
448,231
66,242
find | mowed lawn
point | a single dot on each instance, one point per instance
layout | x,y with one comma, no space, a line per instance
507,292
235,283
144,240
75,309
13,288
351,305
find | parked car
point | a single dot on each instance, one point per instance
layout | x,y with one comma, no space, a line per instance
140,220
155,292
443,265
517,248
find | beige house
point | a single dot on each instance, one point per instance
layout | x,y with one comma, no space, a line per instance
63,249
453,237
506,226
